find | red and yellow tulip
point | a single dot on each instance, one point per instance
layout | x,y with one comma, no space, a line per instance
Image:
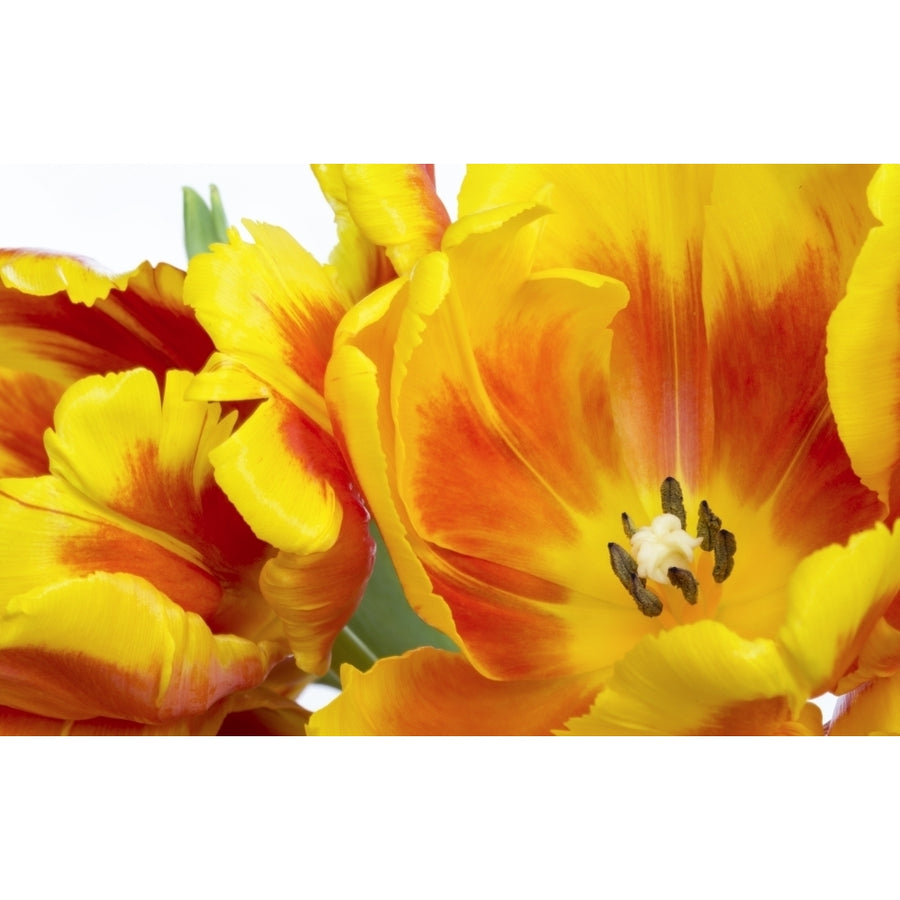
129,593
593,427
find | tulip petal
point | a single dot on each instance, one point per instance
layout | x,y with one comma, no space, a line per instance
863,341
837,596
434,692
699,679
272,308
112,645
316,594
396,207
284,474
778,248
62,318
361,265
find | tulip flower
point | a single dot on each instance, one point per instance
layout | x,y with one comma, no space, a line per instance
129,594
593,428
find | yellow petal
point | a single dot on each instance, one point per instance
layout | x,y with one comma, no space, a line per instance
42,274
112,645
396,207
361,266
434,692
697,679
281,472
272,308
864,348
836,596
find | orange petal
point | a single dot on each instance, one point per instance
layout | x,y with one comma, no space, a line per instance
433,692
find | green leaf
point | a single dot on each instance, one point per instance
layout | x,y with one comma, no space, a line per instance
384,624
203,224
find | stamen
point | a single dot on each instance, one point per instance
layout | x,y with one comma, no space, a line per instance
628,525
685,582
626,571
708,525
673,500
724,548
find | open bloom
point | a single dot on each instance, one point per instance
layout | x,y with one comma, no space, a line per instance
598,444
129,595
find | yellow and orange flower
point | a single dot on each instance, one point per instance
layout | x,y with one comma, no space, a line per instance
129,592
589,342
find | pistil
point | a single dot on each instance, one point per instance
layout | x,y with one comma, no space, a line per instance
664,552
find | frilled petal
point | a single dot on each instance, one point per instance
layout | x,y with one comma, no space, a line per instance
112,645
699,679
27,402
836,596
62,318
272,308
394,206
434,692
132,490
864,349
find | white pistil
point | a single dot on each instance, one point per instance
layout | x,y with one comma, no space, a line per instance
662,544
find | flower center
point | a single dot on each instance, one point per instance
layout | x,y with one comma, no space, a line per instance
664,551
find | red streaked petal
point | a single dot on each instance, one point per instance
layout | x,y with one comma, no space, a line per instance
434,692
26,410
62,319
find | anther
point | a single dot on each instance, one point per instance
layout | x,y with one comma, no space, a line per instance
673,500
628,525
724,548
685,582
708,525
625,569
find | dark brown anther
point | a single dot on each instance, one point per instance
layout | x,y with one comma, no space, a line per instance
685,582
724,547
628,525
708,525
626,571
673,500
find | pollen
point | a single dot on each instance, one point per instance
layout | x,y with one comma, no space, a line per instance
663,545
